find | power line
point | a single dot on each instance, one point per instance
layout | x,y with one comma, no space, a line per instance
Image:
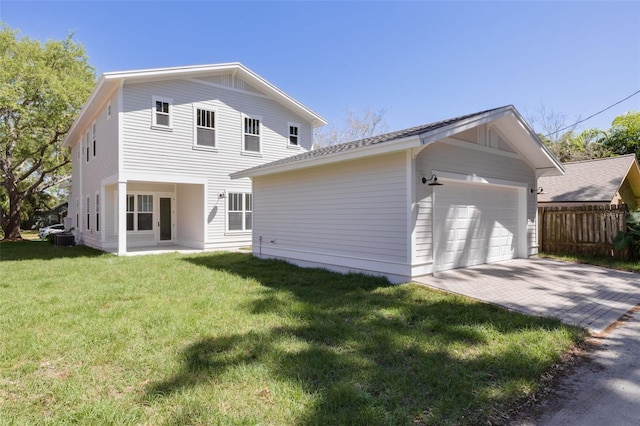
593,115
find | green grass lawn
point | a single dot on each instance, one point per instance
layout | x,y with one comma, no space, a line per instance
224,338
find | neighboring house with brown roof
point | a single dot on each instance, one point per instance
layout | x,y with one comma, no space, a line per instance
604,181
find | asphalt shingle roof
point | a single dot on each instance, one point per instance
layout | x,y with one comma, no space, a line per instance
350,146
586,181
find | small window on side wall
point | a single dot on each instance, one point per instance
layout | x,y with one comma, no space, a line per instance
87,145
162,109
93,137
293,135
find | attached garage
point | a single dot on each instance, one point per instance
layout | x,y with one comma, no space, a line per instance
445,195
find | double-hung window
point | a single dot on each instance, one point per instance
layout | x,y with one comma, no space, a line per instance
97,212
161,117
293,135
88,213
139,212
240,209
205,128
87,144
93,133
251,134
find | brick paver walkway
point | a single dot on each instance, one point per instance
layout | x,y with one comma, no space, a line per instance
584,295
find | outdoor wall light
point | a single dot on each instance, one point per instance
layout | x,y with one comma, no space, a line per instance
536,191
433,181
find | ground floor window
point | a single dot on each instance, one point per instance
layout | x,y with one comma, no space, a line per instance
240,208
98,212
88,213
139,212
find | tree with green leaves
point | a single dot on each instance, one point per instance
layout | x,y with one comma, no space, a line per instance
624,135
42,88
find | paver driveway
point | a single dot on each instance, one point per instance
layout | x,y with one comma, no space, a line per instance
585,295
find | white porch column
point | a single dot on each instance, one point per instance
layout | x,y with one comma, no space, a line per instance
122,218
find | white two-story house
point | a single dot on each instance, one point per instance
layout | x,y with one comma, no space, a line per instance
153,150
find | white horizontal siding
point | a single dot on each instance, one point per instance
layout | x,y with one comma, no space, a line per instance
147,150
353,212
87,175
455,159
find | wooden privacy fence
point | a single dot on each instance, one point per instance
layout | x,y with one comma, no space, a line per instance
582,230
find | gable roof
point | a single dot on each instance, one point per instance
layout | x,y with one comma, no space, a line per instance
412,137
596,180
111,81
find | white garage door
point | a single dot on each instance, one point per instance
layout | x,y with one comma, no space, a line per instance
474,224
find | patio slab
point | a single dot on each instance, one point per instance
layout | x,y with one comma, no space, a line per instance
578,294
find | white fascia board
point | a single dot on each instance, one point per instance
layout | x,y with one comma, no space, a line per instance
235,68
172,71
460,126
284,99
532,134
163,178
368,151
109,80
71,138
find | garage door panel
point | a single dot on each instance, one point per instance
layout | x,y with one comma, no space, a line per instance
478,225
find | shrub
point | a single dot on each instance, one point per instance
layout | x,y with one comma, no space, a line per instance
631,237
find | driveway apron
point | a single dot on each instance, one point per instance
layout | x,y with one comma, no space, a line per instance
584,295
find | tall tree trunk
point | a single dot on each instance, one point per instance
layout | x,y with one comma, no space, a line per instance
11,227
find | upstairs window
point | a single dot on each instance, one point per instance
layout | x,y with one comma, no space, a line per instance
205,128
93,137
162,112
251,141
240,212
293,134
87,144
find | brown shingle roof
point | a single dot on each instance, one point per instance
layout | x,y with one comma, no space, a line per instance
587,181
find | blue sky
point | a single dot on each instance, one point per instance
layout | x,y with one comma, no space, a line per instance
421,61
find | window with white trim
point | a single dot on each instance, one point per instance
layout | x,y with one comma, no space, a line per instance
88,212
162,112
240,209
139,212
93,133
251,134
98,212
293,134
205,127
87,145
